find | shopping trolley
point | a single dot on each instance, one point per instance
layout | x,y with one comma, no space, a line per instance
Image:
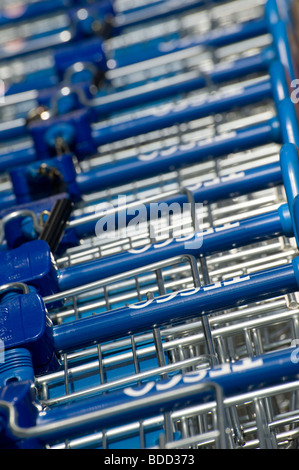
189,349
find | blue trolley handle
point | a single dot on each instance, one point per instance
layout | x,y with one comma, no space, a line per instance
110,103
284,221
196,387
225,36
77,30
151,399
261,61
142,14
161,161
204,300
190,303
216,240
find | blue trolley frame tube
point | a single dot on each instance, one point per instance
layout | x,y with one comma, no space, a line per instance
177,306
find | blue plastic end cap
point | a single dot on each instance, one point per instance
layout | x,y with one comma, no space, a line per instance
31,264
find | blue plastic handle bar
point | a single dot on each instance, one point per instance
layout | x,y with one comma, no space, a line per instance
253,180
49,40
256,135
162,89
153,398
273,224
185,83
217,38
163,161
13,14
260,61
289,160
222,37
232,185
144,13
225,36
156,11
176,306
211,191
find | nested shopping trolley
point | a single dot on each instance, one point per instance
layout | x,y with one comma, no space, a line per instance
182,334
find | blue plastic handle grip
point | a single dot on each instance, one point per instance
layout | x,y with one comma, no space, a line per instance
177,306
30,46
232,185
163,89
184,304
210,191
111,175
175,114
11,158
164,395
11,15
53,39
275,87
221,238
252,180
223,36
